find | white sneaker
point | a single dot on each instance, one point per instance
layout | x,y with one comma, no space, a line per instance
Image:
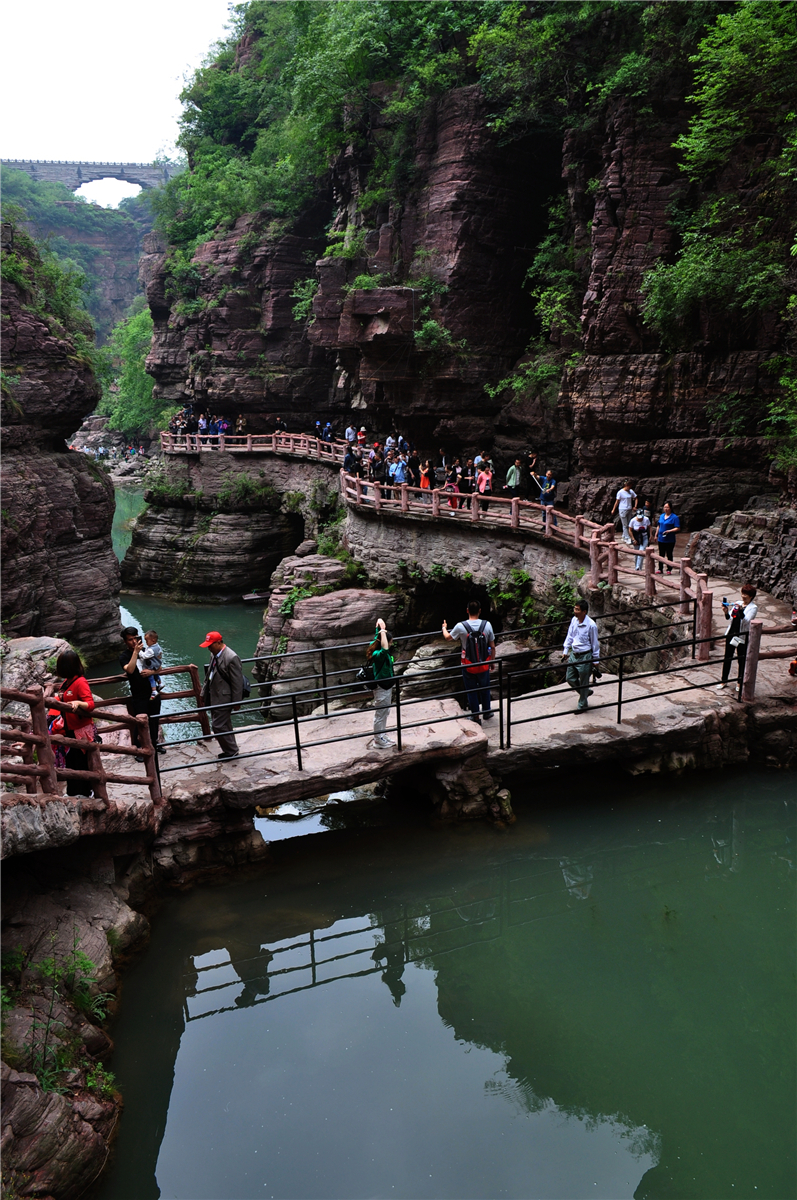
721,687
383,743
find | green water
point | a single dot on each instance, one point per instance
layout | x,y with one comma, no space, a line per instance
598,1001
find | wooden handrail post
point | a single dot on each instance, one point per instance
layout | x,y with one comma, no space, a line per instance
221,441
704,625
405,498
683,585
515,513
751,661
358,488
149,752
436,502
38,724
204,722
594,560
99,786
578,531
611,571
650,572
377,495
249,441
474,506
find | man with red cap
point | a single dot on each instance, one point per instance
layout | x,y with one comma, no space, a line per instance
224,685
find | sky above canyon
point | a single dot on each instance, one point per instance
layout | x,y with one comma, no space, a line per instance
96,80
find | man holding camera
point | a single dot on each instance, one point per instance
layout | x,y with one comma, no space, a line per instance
582,651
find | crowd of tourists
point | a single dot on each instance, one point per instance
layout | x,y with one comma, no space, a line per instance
206,424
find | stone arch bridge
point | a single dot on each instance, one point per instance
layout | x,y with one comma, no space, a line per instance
75,174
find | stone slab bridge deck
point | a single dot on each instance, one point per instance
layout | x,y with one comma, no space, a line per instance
669,721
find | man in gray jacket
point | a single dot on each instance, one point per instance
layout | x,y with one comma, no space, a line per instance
224,684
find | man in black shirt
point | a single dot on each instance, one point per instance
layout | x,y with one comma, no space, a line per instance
141,699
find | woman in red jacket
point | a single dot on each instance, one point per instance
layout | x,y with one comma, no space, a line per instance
78,722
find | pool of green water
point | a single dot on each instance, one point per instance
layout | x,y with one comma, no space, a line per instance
598,1001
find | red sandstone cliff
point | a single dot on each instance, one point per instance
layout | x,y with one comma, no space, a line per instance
469,225
60,576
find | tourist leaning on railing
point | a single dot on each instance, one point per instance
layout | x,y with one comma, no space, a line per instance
78,723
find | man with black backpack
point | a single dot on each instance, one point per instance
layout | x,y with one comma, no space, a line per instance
477,640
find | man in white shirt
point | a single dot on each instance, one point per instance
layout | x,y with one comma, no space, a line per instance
581,649
626,501
351,435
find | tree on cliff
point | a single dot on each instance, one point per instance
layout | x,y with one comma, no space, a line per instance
127,396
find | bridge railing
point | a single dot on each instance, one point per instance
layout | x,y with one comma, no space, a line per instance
511,687
28,740
295,445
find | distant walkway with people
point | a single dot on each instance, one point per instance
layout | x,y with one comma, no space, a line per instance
611,561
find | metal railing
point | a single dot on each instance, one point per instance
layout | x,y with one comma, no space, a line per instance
33,744
507,695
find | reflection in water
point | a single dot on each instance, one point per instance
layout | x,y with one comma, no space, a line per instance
606,1011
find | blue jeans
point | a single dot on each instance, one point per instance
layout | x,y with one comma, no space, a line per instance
477,690
640,558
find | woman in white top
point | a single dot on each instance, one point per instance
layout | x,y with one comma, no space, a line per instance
737,631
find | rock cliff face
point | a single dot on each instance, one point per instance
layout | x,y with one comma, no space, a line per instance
633,408
218,524
60,575
759,546
114,256
231,344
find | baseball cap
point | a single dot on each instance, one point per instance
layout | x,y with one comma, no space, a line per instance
213,636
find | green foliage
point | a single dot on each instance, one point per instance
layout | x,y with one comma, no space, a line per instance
714,272
733,266
128,401
781,417
745,82
299,592
539,376
260,133
365,283
71,977
550,67
73,230
53,293
433,338
512,596
304,291
99,1080
329,535
349,244
566,593
293,501
244,491
554,278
